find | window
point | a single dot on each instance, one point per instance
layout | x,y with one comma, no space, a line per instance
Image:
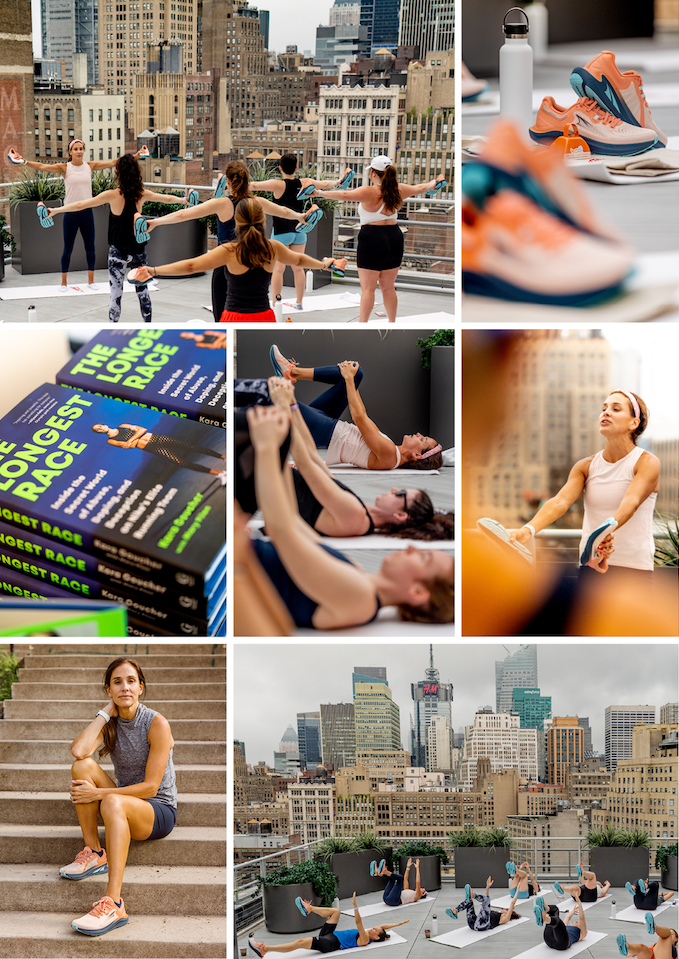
58,114
101,154
47,114
110,114
91,116
101,116
118,133
110,135
91,154
91,134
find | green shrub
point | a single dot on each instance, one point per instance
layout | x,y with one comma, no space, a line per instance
6,238
637,838
318,874
661,855
368,840
418,849
334,844
9,672
40,185
612,836
487,838
667,548
438,338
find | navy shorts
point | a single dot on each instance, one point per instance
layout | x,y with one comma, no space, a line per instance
166,817
573,934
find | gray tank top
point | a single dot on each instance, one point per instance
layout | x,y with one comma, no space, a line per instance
132,750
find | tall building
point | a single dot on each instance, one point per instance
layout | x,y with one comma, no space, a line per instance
310,805
431,698
377,717
91,115
338,45
380,18
309,738
533,711
234,45
589,748
16,82
428,24
565,747
517,670
368,674
342,12
338,734
68,27
264,20
289,742
498,738
619,721
439,744
669,713
355,124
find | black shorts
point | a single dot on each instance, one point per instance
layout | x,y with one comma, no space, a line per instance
379,247
326,940
166,817
589,895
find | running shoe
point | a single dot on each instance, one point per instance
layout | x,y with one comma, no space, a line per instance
132,278
512,249
45,219
540,904
578,867
102,917
642,887
650,923
622,944
221,187
306,191
593,541
537,912
14,157
630,888
440,185
144,153
498,534
472,88
346,180
192,198
621,94
141,230
509,866
604,134
86,863
381,866
452,913
313,216
339,267
373,864
300,905
280,365
558,889
467,892
255,947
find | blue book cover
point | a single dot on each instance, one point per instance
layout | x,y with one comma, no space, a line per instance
105,477
171,371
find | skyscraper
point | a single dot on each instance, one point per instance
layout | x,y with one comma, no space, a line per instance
381,18
290,742
565,747
517,670
619,721
428,24
669,713
368,674
309,737
499,739
338,734
533,711
589,748
431,698
68,27
377,718
439,744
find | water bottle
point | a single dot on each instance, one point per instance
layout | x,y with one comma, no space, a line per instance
309,285
32,315
612,908
539,30
516,72
278,309
434,925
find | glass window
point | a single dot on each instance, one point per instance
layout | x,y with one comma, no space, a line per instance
101,115
91,116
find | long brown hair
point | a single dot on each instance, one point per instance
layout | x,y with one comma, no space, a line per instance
128,175
423,522
389,188
439,608
237,174
251,245
110,730
433,462
643,414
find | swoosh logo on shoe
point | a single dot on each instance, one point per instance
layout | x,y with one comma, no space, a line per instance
609,92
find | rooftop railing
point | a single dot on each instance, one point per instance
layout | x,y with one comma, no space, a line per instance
560,545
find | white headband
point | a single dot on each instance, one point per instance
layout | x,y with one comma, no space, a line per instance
632,399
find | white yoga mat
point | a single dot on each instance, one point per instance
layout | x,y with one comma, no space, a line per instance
377,907
467,937
430,317
506,901
42,292
346,470
329,301
393,940
544,952
632,914
388,625
374,541
565,905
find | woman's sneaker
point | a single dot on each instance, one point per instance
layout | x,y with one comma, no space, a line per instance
281,365
104,916
86,863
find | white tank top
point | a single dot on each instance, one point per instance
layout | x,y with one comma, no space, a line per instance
378,217
348,446
605,487
78,180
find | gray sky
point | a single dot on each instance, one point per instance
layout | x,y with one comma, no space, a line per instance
272,683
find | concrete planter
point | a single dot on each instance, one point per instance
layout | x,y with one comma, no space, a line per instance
39,250
473,865
318,245
183,241
442,395
430,872
616,864
353,872
668,876
282,915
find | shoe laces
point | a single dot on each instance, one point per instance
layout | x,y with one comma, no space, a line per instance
591,106
83,855
528,221
102,906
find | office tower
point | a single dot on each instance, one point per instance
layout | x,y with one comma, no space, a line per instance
337,45
531,707
264,18
517,670
377,718
669,713
431,698
344,12
619,721
309,738
439,744
427,24
290,741
589,748
380,18
338,734
565,747
500,739
68,27
368,674
234,45
355,124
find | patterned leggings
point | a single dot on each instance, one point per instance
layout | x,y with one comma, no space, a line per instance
117,264
482,921
161,446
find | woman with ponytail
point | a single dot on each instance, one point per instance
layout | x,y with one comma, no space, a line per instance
238,188
380,241
248,262
143,803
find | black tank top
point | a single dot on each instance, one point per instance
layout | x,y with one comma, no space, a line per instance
121,230
310,508
124,432
226,229
289,199
248,292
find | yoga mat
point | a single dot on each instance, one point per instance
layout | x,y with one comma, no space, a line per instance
428,317
42,292
467,937
331,301
344,469
389,625
506,901
393,940
565,905
544,952
374,541
377,907
632,914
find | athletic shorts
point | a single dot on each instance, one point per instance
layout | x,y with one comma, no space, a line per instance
326,940
573,934
229,316
524,894
288,239
587,894
379,247
166,817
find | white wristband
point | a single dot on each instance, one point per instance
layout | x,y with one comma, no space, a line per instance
531,528
104,716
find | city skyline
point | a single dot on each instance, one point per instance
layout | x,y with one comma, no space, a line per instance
582,679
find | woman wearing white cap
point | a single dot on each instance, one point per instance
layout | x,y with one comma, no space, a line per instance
77,174
380,241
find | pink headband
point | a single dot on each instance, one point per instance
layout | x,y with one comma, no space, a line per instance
437,449
77,140
630,397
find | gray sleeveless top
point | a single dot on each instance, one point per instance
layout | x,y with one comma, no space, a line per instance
132,750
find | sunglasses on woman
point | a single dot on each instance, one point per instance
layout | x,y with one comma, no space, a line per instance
404,494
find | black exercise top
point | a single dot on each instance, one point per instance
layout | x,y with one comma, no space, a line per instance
226,229
124,434
248,292
121,230
310,508
281,224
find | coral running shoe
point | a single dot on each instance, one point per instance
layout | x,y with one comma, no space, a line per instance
86,863
621,94
102,917
471,86
512,249
282,366
603,133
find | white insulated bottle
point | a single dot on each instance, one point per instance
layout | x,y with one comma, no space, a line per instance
516,71
539,30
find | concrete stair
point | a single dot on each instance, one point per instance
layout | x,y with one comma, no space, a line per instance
175,888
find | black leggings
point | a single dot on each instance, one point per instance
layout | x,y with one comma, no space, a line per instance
83,221
555,934
220,286
649,901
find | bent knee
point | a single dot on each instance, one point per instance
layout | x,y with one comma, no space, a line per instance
81,767
111,805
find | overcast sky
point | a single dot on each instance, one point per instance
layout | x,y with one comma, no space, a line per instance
272,683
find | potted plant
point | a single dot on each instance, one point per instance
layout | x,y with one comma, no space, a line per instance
480,853
182,241
619,855
349,858
438,355
431,857
666,862
6,239
313,881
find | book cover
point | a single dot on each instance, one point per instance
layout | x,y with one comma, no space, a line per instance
73,617
106,477
170,371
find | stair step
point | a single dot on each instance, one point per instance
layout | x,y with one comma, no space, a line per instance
85,709
57,845
146,890
155,674
55,808
97,661
51,777
36,729
165,692
59,750
111,650
36,935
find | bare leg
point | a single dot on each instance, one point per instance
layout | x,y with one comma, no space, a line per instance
389,296
604,889
90,276
368,279
640,950
298,271
588,876
333,915
64,279
91,771
125,818
277,279
285,947
663,932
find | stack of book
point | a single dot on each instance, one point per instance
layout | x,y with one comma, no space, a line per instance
117,502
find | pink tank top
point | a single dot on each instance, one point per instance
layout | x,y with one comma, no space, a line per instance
78,181
605,487
348,446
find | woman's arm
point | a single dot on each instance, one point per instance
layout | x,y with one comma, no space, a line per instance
199,264
392,925
555,507
273,209
79,205
163,197
222,205
406,190
265,186
363,938
91,738
127,444
290,258
506,916
644,483
58,168
359,194
107,164
381,446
